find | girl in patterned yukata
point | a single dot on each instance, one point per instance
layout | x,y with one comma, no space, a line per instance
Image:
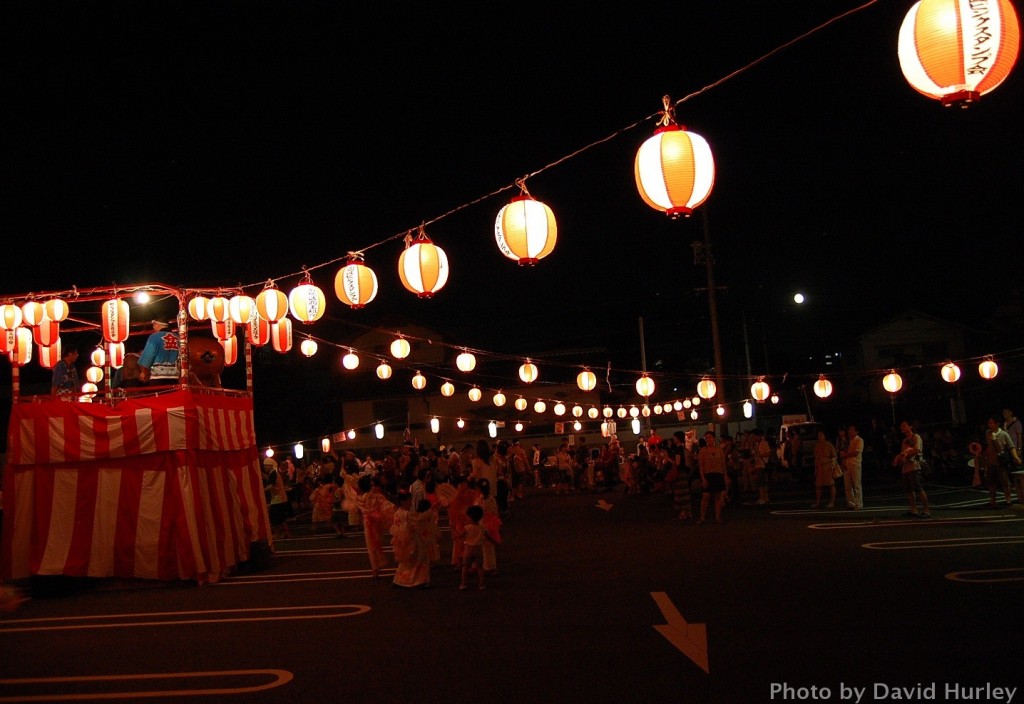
414,537
323,498
464,497
492,524
377,515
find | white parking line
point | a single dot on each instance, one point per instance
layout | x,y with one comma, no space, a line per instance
934,522
280,677
969,576
177,618
301,577
945,543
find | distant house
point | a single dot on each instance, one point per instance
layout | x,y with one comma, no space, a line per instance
910,339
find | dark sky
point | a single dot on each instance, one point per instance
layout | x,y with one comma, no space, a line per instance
214,144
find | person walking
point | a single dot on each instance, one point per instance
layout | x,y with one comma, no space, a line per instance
714,482
909,461
1000,456
852,458
825,461
474,536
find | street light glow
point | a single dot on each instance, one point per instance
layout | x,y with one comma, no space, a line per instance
798,298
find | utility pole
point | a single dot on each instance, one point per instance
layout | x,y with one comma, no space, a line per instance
643,367
702,252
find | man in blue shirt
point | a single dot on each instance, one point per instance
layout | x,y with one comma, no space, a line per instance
65,374
158,363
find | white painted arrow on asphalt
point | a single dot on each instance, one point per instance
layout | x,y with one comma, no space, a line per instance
601,503
690,638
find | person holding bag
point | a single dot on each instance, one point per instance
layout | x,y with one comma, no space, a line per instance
826,467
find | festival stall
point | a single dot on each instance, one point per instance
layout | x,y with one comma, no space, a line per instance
152,483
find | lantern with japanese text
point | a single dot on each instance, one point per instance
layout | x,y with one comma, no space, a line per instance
674,169
955,51
423,266
257,331
114,320
230,346
355,284
224,329
306,301
525,229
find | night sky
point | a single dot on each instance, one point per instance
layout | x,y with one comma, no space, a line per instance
219,144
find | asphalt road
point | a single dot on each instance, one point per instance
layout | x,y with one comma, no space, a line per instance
599,598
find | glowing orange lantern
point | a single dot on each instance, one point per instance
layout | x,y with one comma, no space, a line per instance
56,309
475,394
528,372
94,374
218,309
525,229
384,370
466,361
521,404
423,266
223,330
197,308
645,386
257,331
674,169
49,355
822,387
241,309
98,357
988,369
540,407
706,388
447,388
760,390
892,382
955,51
308,347
306,301
586,380
281,335
114,320
400,348
46,333
32,313
230,346
10,316
559,409
350,360
21,352
499,399
950,372
355,284
115,354
592,412
271,303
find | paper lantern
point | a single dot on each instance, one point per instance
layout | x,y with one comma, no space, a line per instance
521,404
955,51
384,370
114,320
419,382
351,434
435,425
525,230
350,360
222,330
115,354
706,388
774,399
593,413
241,309
94,374
49,356
230,346
32,313
634,425
621,412
499,399
950,372
21,352
475,394
634,412
528,372
378,431
197,308
678,405
325,445
586,380
822,387
760,390
10,316
748,409
281,335
306,302
645,386
492,429
271,304
577,411
892,382
605,429
460,423
693,414
607,412
56,309
218,309
518,426
8,338
400,348
645,411
720,410
98,357
447,388
257,331
988,369
46,333
540,407
666,407
674,169
88,388
423,266
355,284
308,347
559,409
466,361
